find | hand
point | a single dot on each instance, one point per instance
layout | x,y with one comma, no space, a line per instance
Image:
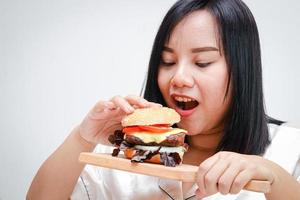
106,117
229,172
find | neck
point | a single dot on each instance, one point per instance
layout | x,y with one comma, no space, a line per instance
203,145
206,140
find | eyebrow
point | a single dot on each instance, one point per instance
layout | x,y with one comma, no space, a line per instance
194,50
201,49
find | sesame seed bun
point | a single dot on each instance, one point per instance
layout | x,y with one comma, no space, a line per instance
151,116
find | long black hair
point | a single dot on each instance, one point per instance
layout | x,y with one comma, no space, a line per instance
246,129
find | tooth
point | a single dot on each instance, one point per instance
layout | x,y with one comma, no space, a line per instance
183,99
179,99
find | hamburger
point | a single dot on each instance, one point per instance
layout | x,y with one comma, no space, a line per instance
148,136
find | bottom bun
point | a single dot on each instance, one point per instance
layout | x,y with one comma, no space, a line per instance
129,153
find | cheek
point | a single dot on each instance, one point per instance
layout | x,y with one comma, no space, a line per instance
163,81
214,88
218,90
160,80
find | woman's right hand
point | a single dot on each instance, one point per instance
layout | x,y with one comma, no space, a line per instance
106,117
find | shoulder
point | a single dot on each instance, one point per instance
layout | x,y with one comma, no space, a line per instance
284,148
286,130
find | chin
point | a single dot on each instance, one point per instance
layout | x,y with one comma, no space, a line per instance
190,127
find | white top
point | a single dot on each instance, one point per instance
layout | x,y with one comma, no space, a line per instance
101,183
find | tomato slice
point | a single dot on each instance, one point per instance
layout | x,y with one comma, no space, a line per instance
162,125
158,128
131,129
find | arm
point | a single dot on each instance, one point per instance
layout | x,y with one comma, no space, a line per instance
59,173
284,185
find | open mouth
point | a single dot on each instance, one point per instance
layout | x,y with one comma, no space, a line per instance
185,103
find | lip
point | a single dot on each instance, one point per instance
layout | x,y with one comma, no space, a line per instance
185,113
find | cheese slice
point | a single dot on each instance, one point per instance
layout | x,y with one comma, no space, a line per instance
180,149
148,137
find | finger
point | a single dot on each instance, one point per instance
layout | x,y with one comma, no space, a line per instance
123,104
101,105
204,167
213,175
227,178
107,113
241,180
137,100
110,105
152,104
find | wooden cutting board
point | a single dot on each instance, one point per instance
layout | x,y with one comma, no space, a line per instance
183,172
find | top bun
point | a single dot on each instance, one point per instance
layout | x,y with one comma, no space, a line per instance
151,116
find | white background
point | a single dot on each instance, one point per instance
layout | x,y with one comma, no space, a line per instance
57,58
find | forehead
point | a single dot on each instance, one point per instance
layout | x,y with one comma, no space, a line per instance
197,29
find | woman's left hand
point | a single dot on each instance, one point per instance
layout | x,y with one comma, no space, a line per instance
229,172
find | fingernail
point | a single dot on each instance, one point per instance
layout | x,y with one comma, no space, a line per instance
199,194
145,104
145,101
129,109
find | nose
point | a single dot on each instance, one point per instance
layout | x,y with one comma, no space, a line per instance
182,77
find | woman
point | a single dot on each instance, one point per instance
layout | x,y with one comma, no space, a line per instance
206,64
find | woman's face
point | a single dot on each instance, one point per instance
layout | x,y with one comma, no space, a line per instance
193,75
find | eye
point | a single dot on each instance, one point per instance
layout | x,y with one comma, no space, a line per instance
203,65
167,63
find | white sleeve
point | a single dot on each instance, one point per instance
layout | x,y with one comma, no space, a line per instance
296,172
86,183
90,184
284,148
